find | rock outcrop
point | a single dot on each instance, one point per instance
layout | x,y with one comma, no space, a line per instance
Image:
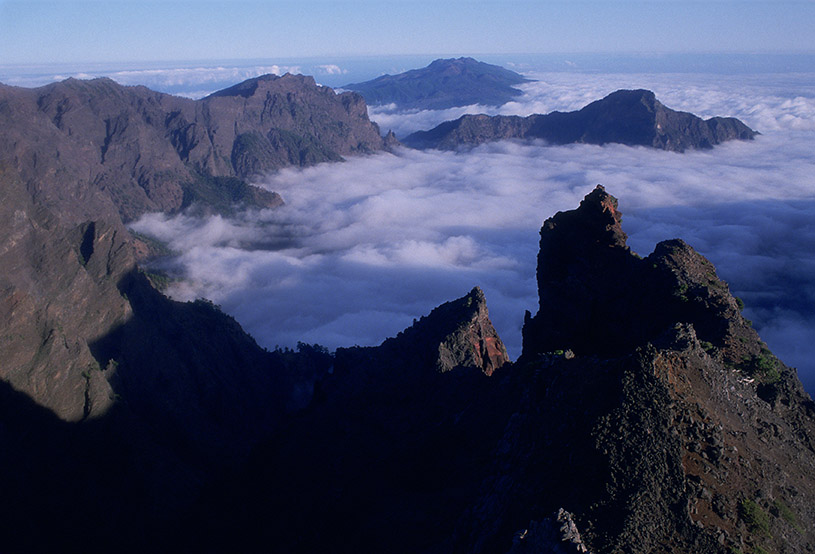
630,117
386,456
445,83
645,415
557,534
457,334
597,297
682,431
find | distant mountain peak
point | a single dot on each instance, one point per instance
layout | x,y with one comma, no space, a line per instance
631,117
444,83
249,87
245,88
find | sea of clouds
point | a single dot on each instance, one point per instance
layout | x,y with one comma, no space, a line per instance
766,102
362,248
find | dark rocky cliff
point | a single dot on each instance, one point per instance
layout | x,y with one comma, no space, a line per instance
631,117
684,433
645,415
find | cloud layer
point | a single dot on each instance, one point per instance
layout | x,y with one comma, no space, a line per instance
362,248
763,102
193,81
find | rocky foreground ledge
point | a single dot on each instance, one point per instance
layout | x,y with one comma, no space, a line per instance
645,415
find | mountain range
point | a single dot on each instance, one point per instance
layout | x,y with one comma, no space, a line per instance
630,117
148,151
445,83
644,414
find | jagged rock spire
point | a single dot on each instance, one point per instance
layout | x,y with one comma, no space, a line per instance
456,335
596,296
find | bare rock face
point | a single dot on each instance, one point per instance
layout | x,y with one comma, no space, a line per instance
683,432
631,117
82,332
59,294
557,534
597,297
118,403
457,334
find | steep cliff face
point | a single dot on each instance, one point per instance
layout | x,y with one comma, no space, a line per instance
597,297
457,334
631,117
78,157
681,430
59,294
386,455
118,403
644,415
147,151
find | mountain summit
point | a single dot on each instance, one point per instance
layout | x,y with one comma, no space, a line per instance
445,83
631,117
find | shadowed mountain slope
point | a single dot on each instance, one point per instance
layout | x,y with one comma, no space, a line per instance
644,416
78,319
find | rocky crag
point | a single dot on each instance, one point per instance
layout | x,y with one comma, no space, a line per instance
676,430
631,117
445,83
645,415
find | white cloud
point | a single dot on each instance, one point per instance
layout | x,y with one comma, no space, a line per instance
331,69
362,248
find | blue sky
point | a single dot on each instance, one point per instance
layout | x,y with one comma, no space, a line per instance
120,31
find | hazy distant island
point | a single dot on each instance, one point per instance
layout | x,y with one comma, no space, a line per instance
631,117
445,83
